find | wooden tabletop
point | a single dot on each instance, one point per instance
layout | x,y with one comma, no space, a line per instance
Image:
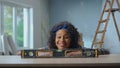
102,60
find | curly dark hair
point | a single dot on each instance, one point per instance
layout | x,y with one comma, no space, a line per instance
74,35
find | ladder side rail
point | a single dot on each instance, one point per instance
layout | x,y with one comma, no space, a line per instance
95,35
111,4
118,4
99,22
115,23
103,10
119,10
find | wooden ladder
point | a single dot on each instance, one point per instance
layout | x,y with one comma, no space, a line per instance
100,33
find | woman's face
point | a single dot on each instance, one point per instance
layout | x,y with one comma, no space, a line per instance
62,39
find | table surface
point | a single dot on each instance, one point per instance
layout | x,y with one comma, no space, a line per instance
111,59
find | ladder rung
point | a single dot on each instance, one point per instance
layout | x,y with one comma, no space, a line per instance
98,42
101,31
113,10
102,21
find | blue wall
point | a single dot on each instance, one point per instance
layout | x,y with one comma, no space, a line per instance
84,14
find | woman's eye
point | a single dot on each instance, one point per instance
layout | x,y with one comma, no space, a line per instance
67,37
59,37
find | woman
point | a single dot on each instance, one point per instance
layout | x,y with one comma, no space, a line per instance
63,35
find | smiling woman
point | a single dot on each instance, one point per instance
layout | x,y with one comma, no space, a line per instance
64,35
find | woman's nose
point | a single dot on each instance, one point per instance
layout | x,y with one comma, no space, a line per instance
62,39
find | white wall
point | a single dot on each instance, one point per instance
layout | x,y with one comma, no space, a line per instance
40,17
